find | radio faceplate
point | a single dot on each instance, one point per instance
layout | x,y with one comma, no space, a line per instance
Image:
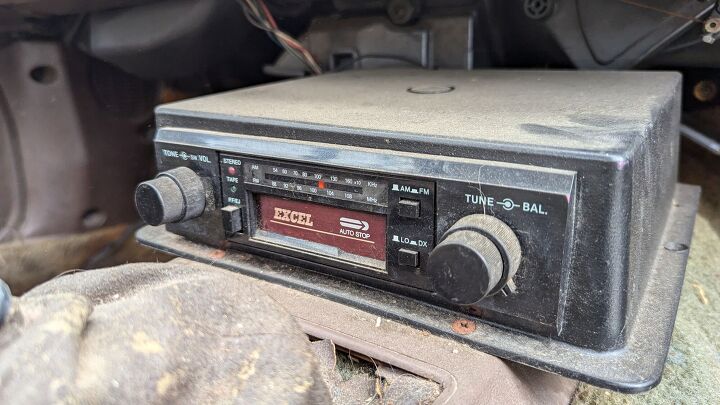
379,214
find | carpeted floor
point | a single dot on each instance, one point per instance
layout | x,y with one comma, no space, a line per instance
692,372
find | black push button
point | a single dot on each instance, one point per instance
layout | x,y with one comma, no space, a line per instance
232,219
408,258
409,208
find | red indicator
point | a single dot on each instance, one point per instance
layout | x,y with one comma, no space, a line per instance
321,184
232,170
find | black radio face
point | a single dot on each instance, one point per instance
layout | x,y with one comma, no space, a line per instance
332,216
382,215
281,212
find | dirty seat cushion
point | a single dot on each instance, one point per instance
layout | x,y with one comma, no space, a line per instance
149,333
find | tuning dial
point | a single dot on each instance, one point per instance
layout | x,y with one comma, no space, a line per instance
475,258
173,196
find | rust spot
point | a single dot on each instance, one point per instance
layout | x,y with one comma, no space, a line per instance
217,254
463,326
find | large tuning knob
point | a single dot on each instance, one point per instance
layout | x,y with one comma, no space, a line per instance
173,196
475,258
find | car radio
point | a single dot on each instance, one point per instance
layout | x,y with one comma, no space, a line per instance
536,201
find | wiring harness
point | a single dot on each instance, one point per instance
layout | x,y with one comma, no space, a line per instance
258,14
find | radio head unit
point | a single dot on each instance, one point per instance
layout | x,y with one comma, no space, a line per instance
536,201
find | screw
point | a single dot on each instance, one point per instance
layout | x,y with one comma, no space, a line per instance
712,25
711,28
539,9
705,90
463,326
404,12
217,254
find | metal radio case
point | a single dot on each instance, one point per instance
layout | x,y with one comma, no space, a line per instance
581,166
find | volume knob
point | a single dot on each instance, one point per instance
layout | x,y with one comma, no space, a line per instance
474,259
173,196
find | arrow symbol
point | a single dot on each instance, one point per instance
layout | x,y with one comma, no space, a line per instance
354,224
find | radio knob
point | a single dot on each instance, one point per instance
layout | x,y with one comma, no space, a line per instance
173,196
475,258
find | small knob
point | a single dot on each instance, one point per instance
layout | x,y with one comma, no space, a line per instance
475,258
173,196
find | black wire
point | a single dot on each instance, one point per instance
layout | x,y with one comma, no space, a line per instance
682,46
349,63
72,32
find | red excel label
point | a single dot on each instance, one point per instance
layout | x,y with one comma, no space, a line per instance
355,232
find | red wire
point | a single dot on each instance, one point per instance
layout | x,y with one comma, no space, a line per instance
269,16
285,38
